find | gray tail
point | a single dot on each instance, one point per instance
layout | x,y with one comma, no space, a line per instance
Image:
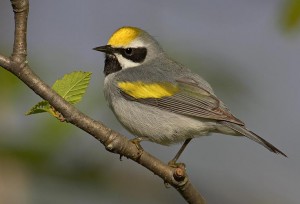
251,135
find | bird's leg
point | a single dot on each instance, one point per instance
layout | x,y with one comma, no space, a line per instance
173,163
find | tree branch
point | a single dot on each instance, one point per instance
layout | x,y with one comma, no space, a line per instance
4,61
21,10
113,141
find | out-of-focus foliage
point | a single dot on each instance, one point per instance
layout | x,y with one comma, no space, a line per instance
291,15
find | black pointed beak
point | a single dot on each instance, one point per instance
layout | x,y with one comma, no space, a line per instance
106,49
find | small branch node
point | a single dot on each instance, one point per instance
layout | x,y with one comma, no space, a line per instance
109,143
179,174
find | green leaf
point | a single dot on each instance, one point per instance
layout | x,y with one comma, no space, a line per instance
291,15
40,107
72,86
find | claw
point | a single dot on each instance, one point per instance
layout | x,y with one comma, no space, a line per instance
173,164
136,141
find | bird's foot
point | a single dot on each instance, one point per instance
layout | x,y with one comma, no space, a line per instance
174,164
136,141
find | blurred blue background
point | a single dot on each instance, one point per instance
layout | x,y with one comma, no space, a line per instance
247,50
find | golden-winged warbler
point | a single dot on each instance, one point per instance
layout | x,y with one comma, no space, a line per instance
160,100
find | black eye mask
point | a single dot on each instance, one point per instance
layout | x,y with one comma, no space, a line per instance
137,55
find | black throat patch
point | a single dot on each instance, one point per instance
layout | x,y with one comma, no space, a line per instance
111,64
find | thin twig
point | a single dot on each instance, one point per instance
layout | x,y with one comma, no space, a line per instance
21,10
113,141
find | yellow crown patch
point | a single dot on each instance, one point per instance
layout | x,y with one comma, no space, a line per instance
123,36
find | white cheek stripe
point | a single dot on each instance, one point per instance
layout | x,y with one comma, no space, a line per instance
125,63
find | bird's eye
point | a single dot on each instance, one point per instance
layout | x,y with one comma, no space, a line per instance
128,51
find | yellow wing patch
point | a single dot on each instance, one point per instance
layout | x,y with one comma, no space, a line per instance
140,89
123,36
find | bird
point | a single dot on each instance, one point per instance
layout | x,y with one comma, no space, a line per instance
160,100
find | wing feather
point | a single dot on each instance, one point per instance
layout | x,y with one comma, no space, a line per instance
191,100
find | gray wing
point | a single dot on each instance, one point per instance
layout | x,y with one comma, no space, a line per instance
194,99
